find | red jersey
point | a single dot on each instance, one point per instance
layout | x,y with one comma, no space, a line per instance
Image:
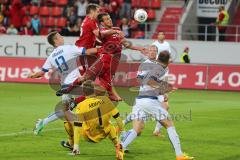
87,37
112,43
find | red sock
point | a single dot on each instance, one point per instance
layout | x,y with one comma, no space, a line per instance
79,99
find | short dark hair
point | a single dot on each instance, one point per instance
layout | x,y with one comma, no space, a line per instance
164,57
222,7
100,16
51,37
91,7
88,87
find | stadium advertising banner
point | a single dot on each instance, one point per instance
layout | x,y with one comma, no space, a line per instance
209,8
200,52
214,77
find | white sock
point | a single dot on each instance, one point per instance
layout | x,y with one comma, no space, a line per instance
128,119
130,136
173,136
158,127
52,117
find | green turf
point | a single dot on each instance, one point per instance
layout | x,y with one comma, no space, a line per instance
211,132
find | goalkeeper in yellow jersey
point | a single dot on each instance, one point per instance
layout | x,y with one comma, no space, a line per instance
93,121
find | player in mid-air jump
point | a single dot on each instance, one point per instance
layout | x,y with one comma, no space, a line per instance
90,34
109,56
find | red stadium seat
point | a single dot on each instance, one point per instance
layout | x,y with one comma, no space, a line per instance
170,36
56,11
42,21
24,9
44,31
26,19
138,34
4,1
144,4
166,27
156,4
154,36
151,14
50,2
50,22
44,11
135,3
33,10
170,20
61,22
62,2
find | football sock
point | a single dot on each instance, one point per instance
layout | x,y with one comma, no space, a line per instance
128,119
173,136
69,129
130,136
52,117
158,127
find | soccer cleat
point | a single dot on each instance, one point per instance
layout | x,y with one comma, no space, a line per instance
119,152
59,93
126,150
184,157
39,126
66,145
122,137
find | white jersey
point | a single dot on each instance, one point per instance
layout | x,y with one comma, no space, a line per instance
150,70
165,46
64,60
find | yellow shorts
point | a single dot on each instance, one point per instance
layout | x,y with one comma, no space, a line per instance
110,132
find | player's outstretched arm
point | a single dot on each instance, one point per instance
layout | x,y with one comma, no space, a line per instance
36,74
103,34
129,45
91,51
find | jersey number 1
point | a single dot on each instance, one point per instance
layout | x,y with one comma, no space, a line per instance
99,117
61,63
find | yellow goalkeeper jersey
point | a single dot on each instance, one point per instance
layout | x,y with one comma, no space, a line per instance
94,115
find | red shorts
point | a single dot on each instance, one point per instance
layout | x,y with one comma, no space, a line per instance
104,68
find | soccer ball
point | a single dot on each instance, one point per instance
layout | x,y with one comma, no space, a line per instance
140,15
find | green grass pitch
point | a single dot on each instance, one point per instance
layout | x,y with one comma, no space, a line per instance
211,132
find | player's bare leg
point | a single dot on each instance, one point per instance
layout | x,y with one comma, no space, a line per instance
113,95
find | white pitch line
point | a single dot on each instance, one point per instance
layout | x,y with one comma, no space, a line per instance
27,132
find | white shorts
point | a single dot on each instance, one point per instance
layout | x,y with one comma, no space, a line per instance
146,108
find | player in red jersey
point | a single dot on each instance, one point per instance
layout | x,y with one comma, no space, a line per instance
89,33
89,28
109,56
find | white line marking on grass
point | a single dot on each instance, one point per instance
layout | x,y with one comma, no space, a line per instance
27,132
